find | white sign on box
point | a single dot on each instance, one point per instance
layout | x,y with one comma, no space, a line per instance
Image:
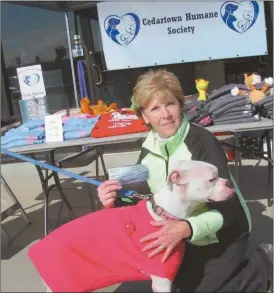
141,34
129,174
54,128
31,82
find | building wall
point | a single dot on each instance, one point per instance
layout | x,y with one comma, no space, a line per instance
39,37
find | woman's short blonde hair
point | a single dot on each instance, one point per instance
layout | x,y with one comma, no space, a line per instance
162,84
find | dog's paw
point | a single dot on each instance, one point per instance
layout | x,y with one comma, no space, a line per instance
160,284
269,80
234,91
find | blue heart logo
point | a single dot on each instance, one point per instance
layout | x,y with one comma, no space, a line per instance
240,16
122,30
31,80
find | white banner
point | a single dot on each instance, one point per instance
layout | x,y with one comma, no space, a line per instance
31,82
140,34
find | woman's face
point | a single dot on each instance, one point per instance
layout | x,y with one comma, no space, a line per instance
163,115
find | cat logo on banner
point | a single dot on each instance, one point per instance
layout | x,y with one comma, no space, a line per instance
140,34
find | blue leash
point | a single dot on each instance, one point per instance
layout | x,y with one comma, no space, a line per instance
126,193
82,79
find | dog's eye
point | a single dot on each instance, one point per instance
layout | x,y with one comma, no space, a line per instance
212,179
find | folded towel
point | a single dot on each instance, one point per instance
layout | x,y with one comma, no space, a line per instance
189,105
33,134
200,117
264,101
234,115
66,117
197,112
79,127
236,106
247,107
31,124
268,105
191,115
224,90
254,118
20,142
226,100
79,123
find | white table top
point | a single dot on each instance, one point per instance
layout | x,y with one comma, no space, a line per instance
264,124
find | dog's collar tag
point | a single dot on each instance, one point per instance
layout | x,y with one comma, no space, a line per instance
143,196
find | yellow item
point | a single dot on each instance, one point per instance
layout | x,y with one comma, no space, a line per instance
202,86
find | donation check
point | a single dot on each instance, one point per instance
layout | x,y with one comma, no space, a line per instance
129,174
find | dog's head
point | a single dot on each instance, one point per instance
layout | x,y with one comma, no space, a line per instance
191,183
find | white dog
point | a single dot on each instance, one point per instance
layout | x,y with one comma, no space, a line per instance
103,248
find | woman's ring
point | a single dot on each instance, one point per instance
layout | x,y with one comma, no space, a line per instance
161,246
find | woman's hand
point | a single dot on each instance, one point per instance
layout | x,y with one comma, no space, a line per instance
107,192
167,238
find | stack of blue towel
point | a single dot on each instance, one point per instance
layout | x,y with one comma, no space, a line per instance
33,132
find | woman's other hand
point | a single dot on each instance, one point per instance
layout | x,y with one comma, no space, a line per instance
167,238
107,192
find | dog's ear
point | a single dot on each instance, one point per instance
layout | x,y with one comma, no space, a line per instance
174,177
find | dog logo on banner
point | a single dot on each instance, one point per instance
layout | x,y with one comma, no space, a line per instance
31,80
240,16
122,29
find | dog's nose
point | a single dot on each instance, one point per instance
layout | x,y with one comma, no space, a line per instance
229,183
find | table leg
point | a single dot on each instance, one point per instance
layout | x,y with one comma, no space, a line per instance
269,165
5,239
104,166
15,200
237,153
59,187
46,191
97,168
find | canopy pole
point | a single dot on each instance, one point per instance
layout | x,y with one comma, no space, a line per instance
71,61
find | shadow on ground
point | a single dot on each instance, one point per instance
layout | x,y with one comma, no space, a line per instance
83,198
254,183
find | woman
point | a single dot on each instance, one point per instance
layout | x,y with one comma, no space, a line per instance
216,233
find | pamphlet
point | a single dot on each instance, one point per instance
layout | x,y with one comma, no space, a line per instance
54,128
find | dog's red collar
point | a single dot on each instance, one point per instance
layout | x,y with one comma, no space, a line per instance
157,209
161,212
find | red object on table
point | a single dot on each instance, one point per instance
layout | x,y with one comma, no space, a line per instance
118,123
